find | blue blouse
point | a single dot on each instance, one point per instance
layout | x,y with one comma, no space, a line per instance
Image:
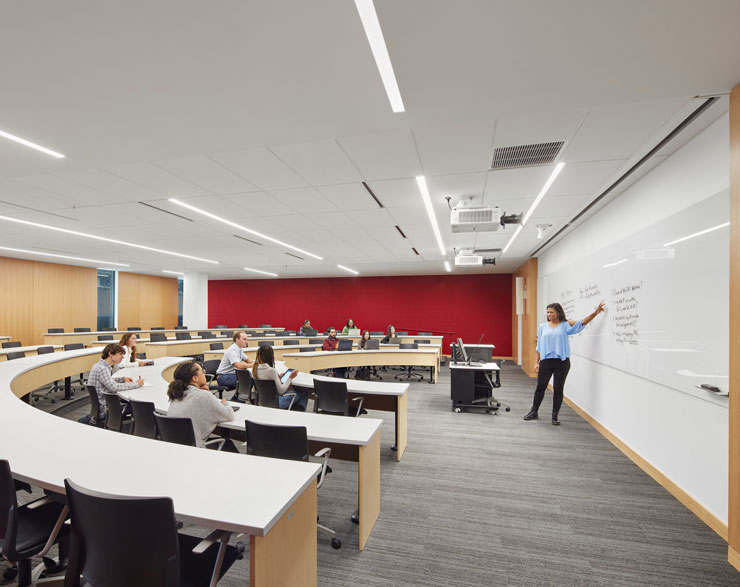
552,343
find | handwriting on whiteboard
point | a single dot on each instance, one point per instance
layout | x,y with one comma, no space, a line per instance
625,315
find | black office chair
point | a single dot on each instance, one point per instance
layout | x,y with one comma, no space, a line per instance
377,333
217,346
220,326
120,541
116,419
157,337
244,386
29,530
265,343
12,345
242,326
15,355
206,334
408,370
94,407
289,332
333,398
157,328
35,396
44,350
180,431
267,394
422,341
141,356
108,330
402,333
55,330
133,328
210,368
344,344
269,333
307,349
291,342
315,341
76,346
289,443
181,327
265,325
105,337
183,336
82,330
145,425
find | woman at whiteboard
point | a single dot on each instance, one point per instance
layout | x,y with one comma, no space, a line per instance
553,356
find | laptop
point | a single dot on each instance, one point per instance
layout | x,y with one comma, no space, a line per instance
353,332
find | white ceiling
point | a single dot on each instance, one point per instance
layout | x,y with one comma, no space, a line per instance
272,113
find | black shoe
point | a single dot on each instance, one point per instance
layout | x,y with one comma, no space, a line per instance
532,415
237,400
555,421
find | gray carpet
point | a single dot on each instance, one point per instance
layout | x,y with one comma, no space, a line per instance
481,500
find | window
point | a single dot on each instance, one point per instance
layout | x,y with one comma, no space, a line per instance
106,298
179,302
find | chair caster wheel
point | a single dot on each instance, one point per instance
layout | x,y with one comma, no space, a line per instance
336,544
53,401
355,517
457,410
508,409
10,573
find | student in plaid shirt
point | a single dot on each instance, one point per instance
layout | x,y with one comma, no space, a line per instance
101,376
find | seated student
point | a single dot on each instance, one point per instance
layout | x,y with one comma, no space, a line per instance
330,344
264,368
101,377
190,398
234,358
128,342
390,334
363,372
349,326
306,326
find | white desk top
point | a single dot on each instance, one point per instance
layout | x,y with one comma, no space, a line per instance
475,346
479,367
389,349
355,431
146,340
193,339
123,464
4,338
25,349
353,385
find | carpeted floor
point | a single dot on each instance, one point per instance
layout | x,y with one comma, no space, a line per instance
481,500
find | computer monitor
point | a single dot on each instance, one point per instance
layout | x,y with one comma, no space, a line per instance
461,350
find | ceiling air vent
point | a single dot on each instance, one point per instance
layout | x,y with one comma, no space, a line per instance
525,155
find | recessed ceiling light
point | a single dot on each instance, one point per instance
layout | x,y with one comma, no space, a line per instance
447,266
615,263
348,269
172,272
63,256
513,236
102,238
7,135
244,228
262,272
422,183
374,34
701,232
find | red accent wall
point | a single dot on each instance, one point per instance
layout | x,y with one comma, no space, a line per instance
453,305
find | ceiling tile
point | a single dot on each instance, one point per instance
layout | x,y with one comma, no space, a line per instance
350,196
259,204
383,156
320,163
208,174
157,180
583,178
459,148
110,184
304,200
262,168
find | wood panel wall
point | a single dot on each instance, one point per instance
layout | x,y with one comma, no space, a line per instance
529,319
146,301
35,296
733,519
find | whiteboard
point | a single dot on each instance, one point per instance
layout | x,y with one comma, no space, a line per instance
667,306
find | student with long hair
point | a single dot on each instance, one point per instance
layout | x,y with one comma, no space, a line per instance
389,334
264,368
553,356
128,342
306,326
190,398
350,325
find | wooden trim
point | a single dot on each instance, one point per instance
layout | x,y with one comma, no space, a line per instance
694,506
734,350
401,425
369,487
529,319
733,557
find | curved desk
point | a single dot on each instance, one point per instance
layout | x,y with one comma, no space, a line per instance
351,439
388,356
279,513
88,337
29,350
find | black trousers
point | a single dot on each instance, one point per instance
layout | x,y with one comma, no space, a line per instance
558,370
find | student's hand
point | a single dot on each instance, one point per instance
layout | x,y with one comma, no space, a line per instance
294,374
205,386
127,379
224,402
142,363
140,381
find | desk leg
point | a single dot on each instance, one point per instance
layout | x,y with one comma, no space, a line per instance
67,388
401,425
287,556
369,487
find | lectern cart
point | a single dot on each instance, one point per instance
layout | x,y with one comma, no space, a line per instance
471,386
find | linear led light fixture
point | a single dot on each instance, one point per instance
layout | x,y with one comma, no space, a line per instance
348,269
64,256
244,228
537,200
102,238
262,272
615,263
11,137
701,232
422,182
447,266
172,272
374,34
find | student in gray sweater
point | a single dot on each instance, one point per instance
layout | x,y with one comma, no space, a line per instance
190,398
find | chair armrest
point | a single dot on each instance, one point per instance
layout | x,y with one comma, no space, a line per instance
39,502
292,401
325,453
210,378
359,405
212,538
55,532
218,441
